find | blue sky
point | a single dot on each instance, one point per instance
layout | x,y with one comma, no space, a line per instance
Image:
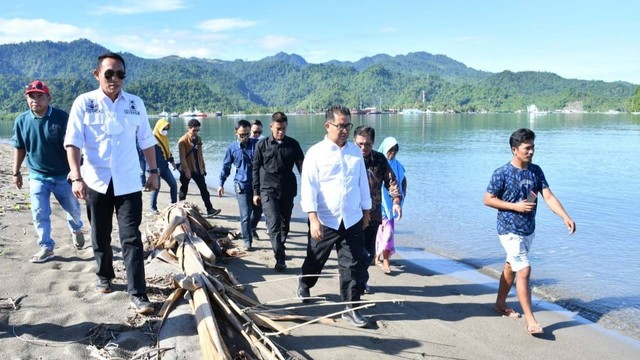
591,40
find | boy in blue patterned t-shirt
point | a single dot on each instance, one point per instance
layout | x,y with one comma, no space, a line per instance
513,190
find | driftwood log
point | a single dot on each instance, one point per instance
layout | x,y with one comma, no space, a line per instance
230,324
225,329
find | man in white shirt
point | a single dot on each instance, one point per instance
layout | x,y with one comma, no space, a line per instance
335,194
104,125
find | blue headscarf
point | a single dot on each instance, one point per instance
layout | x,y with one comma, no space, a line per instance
398,170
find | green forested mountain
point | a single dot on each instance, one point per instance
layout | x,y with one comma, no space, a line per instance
287,82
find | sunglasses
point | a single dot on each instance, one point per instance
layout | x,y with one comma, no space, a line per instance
242,136
109,74
38,86
257,132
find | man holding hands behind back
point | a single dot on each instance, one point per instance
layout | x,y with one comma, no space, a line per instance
104,125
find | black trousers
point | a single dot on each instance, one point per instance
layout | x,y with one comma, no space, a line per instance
370,233
128,208
202,186
349,244
277,213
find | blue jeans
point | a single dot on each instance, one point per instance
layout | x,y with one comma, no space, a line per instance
167,175
40,192
245,204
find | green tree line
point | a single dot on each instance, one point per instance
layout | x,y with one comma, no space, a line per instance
288,83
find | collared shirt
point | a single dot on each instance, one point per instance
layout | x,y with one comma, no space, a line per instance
241,157
334,184
273,164
42,139
106,131
380,173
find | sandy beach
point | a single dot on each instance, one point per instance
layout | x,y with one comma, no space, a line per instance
437,314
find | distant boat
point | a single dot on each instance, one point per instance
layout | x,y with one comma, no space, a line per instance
164,114
174,114
193,113
412,112
533,110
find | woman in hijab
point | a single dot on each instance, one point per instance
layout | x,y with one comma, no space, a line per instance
163,159
385,244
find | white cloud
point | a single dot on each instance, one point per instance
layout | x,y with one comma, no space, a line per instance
20,30
224,24
169,42
129,7
276,42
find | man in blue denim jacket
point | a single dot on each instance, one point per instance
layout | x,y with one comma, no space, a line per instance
240,154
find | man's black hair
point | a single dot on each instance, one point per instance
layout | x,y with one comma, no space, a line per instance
365,130
336,110
242,123
521,135
279,117
193,123
111,55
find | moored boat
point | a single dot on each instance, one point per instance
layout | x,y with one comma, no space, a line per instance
193,113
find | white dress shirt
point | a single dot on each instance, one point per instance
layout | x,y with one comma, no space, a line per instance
334,184
106,132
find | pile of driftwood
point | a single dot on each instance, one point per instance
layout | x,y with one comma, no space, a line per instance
193,245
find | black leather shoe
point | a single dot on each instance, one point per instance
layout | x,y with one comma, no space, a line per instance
366,289
355,318
103,286
141,304
280,266
303,292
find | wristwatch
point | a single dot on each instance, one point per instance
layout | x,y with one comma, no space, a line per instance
154,171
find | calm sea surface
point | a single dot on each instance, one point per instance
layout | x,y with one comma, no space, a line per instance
590,161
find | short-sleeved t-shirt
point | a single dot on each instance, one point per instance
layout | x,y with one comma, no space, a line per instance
509,183
42,138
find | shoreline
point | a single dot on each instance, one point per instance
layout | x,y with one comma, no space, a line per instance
479,275
446,307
